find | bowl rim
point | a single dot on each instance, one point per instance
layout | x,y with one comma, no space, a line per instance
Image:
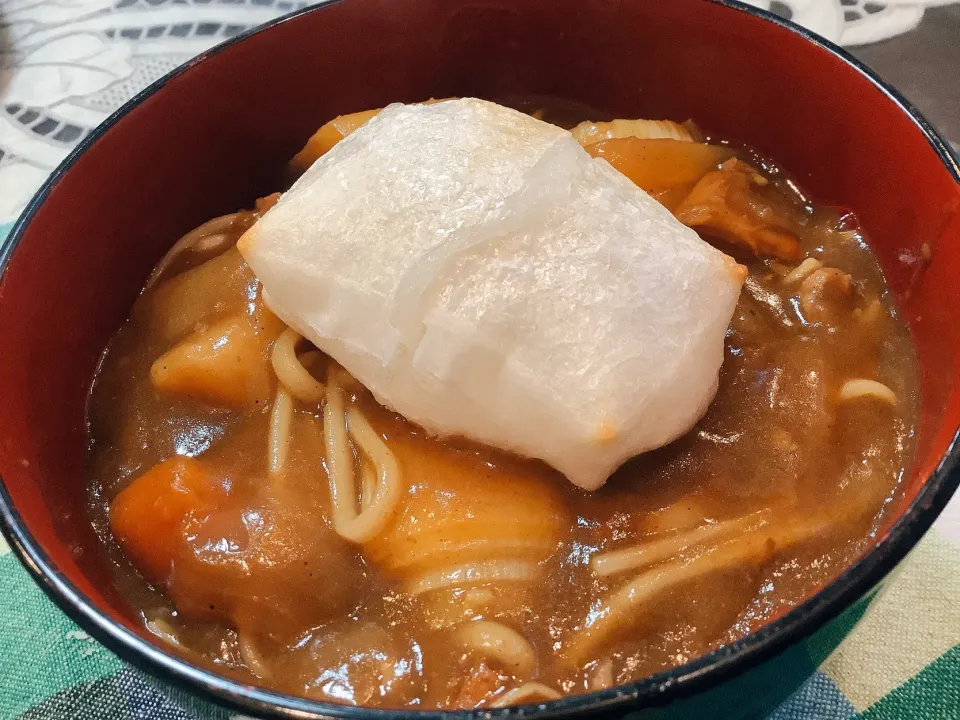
685,680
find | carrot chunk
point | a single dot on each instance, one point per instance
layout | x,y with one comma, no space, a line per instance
333,132
148,515
328,136
660,164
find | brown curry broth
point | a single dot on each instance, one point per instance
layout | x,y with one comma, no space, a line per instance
774,437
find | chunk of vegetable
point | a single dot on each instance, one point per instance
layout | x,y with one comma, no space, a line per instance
727,204
226,365
209,291
587,133
457,516
328,136
660,164
148,515
265,565
333,132
437,319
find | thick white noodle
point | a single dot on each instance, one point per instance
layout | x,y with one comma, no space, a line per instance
527,693
601,677
355,518
801,271
214,236
495,641
290,370
252,658
862,388
656,551
473,574
163,630
623,606
278,439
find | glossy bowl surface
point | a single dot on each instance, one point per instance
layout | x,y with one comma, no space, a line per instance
216,134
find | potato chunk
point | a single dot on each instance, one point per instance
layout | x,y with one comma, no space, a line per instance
271,566
456,510
226,365
220,286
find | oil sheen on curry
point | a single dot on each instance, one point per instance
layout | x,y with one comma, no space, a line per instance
353,440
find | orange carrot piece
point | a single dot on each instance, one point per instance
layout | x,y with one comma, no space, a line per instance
333,132
147,517
328,136
660,164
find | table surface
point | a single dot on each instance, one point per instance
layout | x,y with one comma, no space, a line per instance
924,65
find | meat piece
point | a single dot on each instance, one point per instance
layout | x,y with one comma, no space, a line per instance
728,204
826,296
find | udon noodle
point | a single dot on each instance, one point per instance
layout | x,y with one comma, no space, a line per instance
279,438
291,371
638,556
380,501
495,641
213,237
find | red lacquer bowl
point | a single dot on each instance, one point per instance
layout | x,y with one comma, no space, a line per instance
217,133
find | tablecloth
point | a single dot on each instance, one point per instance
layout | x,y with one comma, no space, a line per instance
66,64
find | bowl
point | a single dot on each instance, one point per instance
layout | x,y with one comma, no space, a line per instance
216,133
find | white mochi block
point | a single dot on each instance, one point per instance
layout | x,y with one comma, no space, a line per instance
485,277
